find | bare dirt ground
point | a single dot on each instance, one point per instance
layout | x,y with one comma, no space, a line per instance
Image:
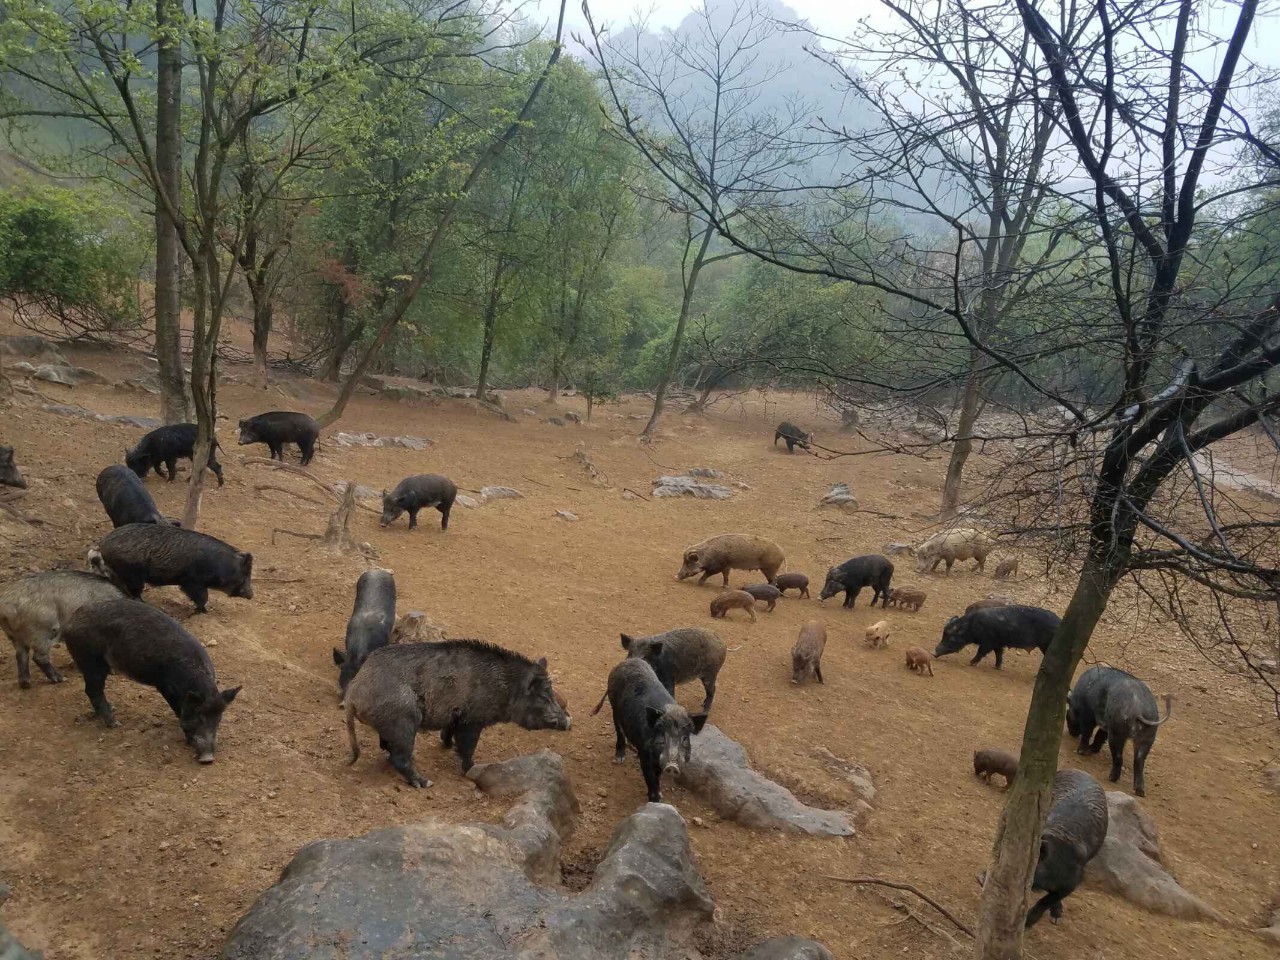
118,845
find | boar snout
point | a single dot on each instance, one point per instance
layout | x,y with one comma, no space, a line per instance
206,757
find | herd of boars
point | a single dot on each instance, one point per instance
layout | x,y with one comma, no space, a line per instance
459,687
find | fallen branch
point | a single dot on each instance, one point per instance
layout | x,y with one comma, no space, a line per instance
531,480
259,487
877,513
294,533
298,471
257,579
895,885
9,496
18,515
636,492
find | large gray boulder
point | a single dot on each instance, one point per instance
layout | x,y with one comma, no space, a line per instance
1130,864
32,348
720,772
476,892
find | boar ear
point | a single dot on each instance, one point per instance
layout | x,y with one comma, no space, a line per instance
699,720
653,715
655,649
384,493
226,696
1044,850
542,663
626,642
692,556
339,658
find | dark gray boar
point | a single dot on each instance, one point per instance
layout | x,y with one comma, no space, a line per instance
793,435
1072,836
414,493
142,553
872,571
997,628
792,581
279,427
679,656
1122,708
372,620
648,717
34,611
167,445
10,475
458,687
147,645
806,655
125,498
765,592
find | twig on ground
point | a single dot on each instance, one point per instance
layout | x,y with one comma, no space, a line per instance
895,885
259,487
294,533
636,492
531,480
298,471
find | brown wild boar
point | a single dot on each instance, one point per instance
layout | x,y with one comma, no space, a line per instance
765,593
793,581
734,600
989,761
919,660
806,655
987,602
908,598
731,551
878,634
1006,568
963,544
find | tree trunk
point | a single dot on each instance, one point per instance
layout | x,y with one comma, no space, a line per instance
204,379
591,399
341,346
486,349
677,338
1003,907
263,313
553,390
963,446
168,290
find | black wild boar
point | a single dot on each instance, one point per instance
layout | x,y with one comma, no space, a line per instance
765,592
458,687
371,623
167,445
10,475
793,435
1072,836
160,555
34,611
125,498
996,628
792,581
147,645
279,427
872,571
414,493
648,717
679,656
1121,707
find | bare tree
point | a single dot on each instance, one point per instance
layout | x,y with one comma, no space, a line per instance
690,105
174,406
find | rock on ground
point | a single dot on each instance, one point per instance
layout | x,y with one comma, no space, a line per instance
707,473
788,948
855,774
68,410
1272,932
471,891
566,515
469,502
373,440
31,347
362,492
499,493
839,496
689,487
720,773
1130,864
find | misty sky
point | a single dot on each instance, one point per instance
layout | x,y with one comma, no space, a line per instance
835,17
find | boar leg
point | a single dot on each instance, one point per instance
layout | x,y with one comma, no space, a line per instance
197,594
652,777
977,657
172,464
725,571
709,688
1051,902
215,466
1117,756
95,670
413,517
400,737
1139,768
751,612
705,574
308,451
620,747
23,655
817,672
999,657
446,737
41,656
466,736
444,509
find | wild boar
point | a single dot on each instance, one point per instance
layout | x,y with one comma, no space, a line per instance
10,475
34,611
147,645
1122,708
989,761
646,716
987,603
679,656
458,687
415,493
166,446
793,435
995,629
877,635
806,655
1072,835
766,593
279,427
872,571
952,545
372,619
734,600
792,581
143,553
907,598
731,551
919,660
1006,568
124,497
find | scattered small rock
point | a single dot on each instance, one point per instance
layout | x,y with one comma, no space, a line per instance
707,472
1271,777
566,515
373,440
572,417
689,487
839,496
68,410
147,385
469,502
787,948
499,493
555,421
35,348
529,413
362,492
898,549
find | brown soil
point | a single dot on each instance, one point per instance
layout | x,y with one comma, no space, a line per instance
118,845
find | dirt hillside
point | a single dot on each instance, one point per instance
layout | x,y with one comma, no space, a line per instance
116,844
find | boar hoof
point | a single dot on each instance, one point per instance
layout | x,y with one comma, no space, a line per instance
205,758
620,758
25,684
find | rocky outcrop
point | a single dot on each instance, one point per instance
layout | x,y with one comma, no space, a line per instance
720,772
1131,865
690,487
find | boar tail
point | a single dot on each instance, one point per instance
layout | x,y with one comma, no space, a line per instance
600,704
351,733
1168,712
